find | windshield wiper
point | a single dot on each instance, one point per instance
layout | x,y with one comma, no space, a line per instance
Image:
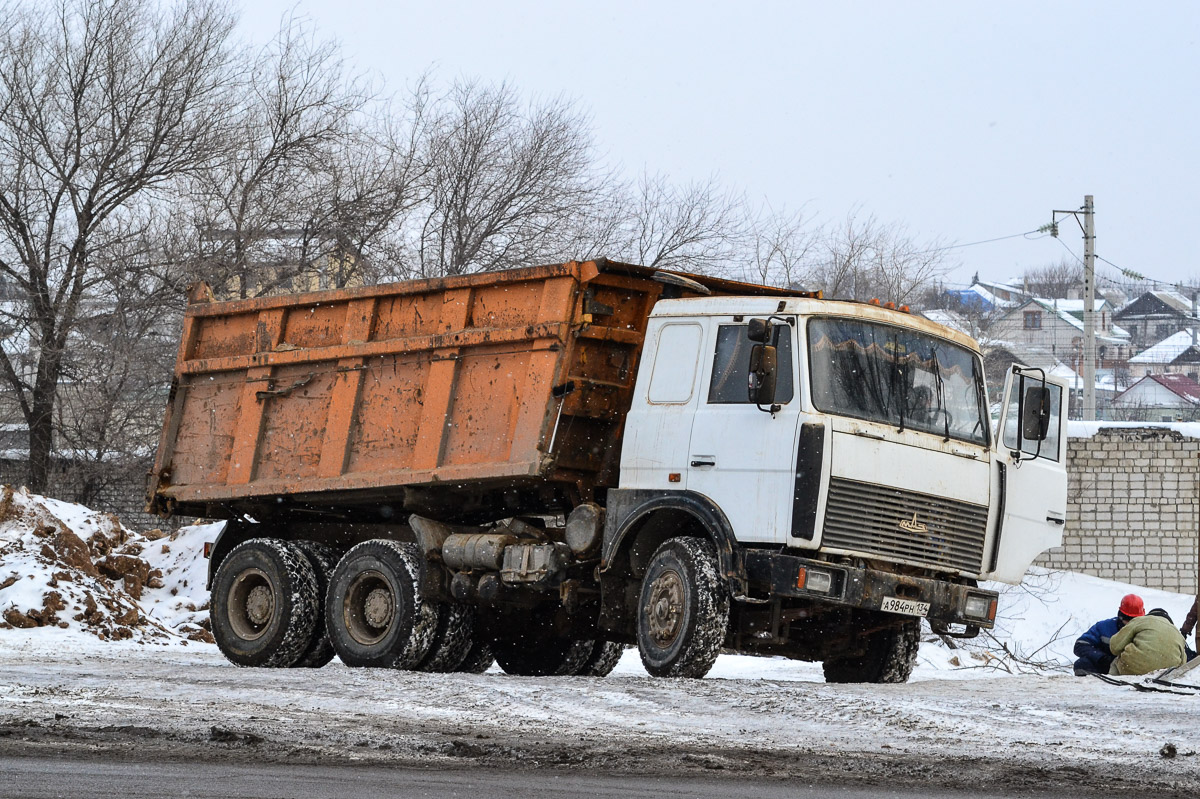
901,395
941,390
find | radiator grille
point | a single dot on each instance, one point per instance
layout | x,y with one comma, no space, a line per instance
866,518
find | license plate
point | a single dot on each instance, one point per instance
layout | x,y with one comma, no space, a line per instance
906,606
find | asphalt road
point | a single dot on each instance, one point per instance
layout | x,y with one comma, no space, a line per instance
51,778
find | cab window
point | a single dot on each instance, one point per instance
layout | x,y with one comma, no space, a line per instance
731,366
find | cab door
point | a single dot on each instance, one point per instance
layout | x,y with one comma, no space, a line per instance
743,458
1031,466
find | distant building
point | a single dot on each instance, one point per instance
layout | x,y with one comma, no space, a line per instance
1055,328
1154,316
1002,294
1176,354
1159,398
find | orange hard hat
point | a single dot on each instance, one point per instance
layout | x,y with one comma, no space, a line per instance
1131,606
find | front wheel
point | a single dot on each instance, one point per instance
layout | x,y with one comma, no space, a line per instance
683,610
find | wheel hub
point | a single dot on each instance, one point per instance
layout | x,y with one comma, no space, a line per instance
378,608
369,608
251,604
665,608
259,605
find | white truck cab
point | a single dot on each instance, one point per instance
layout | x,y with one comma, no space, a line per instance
874,454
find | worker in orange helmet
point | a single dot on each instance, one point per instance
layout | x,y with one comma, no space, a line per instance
1092,647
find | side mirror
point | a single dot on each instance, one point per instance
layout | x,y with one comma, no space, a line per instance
759,330
763,372
1035,417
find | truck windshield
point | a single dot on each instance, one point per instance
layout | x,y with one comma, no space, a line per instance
897,376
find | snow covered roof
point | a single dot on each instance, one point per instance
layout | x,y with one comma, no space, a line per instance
1167,350
1174,299
949,319
1180,385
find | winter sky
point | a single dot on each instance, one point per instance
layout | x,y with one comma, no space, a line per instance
963,121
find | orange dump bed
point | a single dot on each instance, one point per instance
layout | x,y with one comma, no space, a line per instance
466,396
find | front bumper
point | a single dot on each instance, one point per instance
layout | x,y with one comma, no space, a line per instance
849,586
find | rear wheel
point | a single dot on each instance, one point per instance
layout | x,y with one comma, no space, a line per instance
374,612
683,610
603,659
890,657
323,559
479,657
453,638
530,646
265,604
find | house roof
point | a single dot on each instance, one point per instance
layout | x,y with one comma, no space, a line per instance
1156,303
1181,385
1168,350
949,319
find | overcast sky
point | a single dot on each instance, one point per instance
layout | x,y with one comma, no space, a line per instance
962,121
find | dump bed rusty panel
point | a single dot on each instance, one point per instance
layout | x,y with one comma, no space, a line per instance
476,394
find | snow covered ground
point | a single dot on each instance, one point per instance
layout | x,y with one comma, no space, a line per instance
101,670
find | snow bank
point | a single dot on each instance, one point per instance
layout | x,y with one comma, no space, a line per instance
74,578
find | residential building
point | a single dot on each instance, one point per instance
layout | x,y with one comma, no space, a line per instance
1175,354
1154,316
1165,398
1055,329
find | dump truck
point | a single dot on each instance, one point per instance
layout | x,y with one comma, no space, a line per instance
540,466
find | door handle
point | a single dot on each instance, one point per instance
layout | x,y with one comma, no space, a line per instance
1055,520
704,463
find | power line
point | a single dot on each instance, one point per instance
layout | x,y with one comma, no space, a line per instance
1026,234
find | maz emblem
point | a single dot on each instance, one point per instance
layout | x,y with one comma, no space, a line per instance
913,526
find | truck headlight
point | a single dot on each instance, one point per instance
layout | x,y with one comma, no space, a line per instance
819,582
980,607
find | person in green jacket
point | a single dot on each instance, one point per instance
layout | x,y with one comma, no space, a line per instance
1147,644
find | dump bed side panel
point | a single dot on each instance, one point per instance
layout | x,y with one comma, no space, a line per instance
341,391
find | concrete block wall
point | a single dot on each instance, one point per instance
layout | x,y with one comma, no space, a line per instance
1132,503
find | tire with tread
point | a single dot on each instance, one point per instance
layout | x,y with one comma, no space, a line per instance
265,603
453,638
529,646
323,559
683,609
374,613
479,657
603,659
890,657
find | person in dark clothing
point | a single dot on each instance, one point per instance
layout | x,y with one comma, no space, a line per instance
1189,624
1092,647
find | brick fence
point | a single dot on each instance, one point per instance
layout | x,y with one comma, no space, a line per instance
1132,505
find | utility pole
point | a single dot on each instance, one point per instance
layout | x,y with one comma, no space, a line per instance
1089,310
1089,300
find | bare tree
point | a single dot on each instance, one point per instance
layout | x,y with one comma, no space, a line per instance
507,184
864,259
781,247
1055,281
102,102
118,365
270,209
697,227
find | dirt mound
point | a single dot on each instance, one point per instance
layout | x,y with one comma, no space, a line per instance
65,567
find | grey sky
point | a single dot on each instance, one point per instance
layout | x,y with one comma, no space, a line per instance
964,121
